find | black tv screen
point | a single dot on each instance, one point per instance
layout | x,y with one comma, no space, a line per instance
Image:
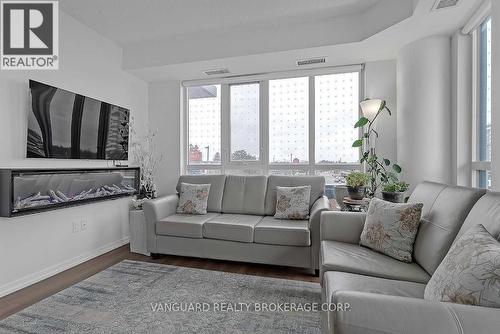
66,125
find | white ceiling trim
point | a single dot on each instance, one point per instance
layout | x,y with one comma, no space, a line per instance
275,75
478,17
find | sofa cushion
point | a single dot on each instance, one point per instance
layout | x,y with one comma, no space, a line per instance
216,182
231,227
470,272
317,184
441,220
188,226
244,194
292,202
334,281
487,213
193,199
390,228
351,258
426,193
282,232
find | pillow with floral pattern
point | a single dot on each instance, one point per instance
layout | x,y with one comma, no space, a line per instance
193,199
293,202
470,272
391,228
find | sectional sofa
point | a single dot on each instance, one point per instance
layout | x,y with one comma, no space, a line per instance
386,295
239,225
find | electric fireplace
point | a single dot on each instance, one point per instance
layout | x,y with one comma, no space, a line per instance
25,191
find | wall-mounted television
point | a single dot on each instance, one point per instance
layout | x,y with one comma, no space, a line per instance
67,125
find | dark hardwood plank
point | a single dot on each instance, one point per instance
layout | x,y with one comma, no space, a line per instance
32,294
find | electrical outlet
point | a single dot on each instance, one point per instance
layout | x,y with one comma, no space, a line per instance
83,224
76,227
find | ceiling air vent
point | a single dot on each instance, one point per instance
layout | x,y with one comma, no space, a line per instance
441,4
311,61
216,71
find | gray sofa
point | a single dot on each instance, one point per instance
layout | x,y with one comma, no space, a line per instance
239,225
386,295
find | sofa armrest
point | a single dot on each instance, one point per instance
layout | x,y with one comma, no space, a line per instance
342,226
154,210
372,312
322,204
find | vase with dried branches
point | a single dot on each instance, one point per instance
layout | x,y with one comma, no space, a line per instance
146,156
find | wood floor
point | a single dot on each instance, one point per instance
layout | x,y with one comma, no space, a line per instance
21,299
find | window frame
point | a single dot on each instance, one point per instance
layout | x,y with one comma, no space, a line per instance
479,167
241,163
263,165
185,136
310,117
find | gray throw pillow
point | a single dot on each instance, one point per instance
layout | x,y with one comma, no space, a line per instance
391,228
193,198
292,202
470,272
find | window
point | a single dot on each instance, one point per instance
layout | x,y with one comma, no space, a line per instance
299,125
337,109
481,164
204,124
289,121
245,122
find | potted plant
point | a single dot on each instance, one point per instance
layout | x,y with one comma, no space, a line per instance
394,191
356,184
380,170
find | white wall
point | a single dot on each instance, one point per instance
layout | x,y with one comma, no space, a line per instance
37,246
380,82
495,96
164,117
424,110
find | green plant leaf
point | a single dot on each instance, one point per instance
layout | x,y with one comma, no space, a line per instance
383,104
362,122
397,168
357,179
387,162
357,143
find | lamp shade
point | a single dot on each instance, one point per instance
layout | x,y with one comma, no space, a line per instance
370,108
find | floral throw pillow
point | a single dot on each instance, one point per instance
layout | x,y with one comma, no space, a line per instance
292,202
470,272
193,198
391,228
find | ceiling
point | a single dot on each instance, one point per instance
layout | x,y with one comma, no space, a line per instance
178,39
130,21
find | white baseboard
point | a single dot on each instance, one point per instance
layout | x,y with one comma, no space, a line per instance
59,267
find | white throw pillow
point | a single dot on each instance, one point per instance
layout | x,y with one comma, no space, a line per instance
391,228
292,202
470,272
193,199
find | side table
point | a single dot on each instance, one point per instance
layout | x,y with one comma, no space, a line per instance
138,241
355,205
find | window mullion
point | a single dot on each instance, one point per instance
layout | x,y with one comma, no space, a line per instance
185,135
225,127
264,125
312,125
